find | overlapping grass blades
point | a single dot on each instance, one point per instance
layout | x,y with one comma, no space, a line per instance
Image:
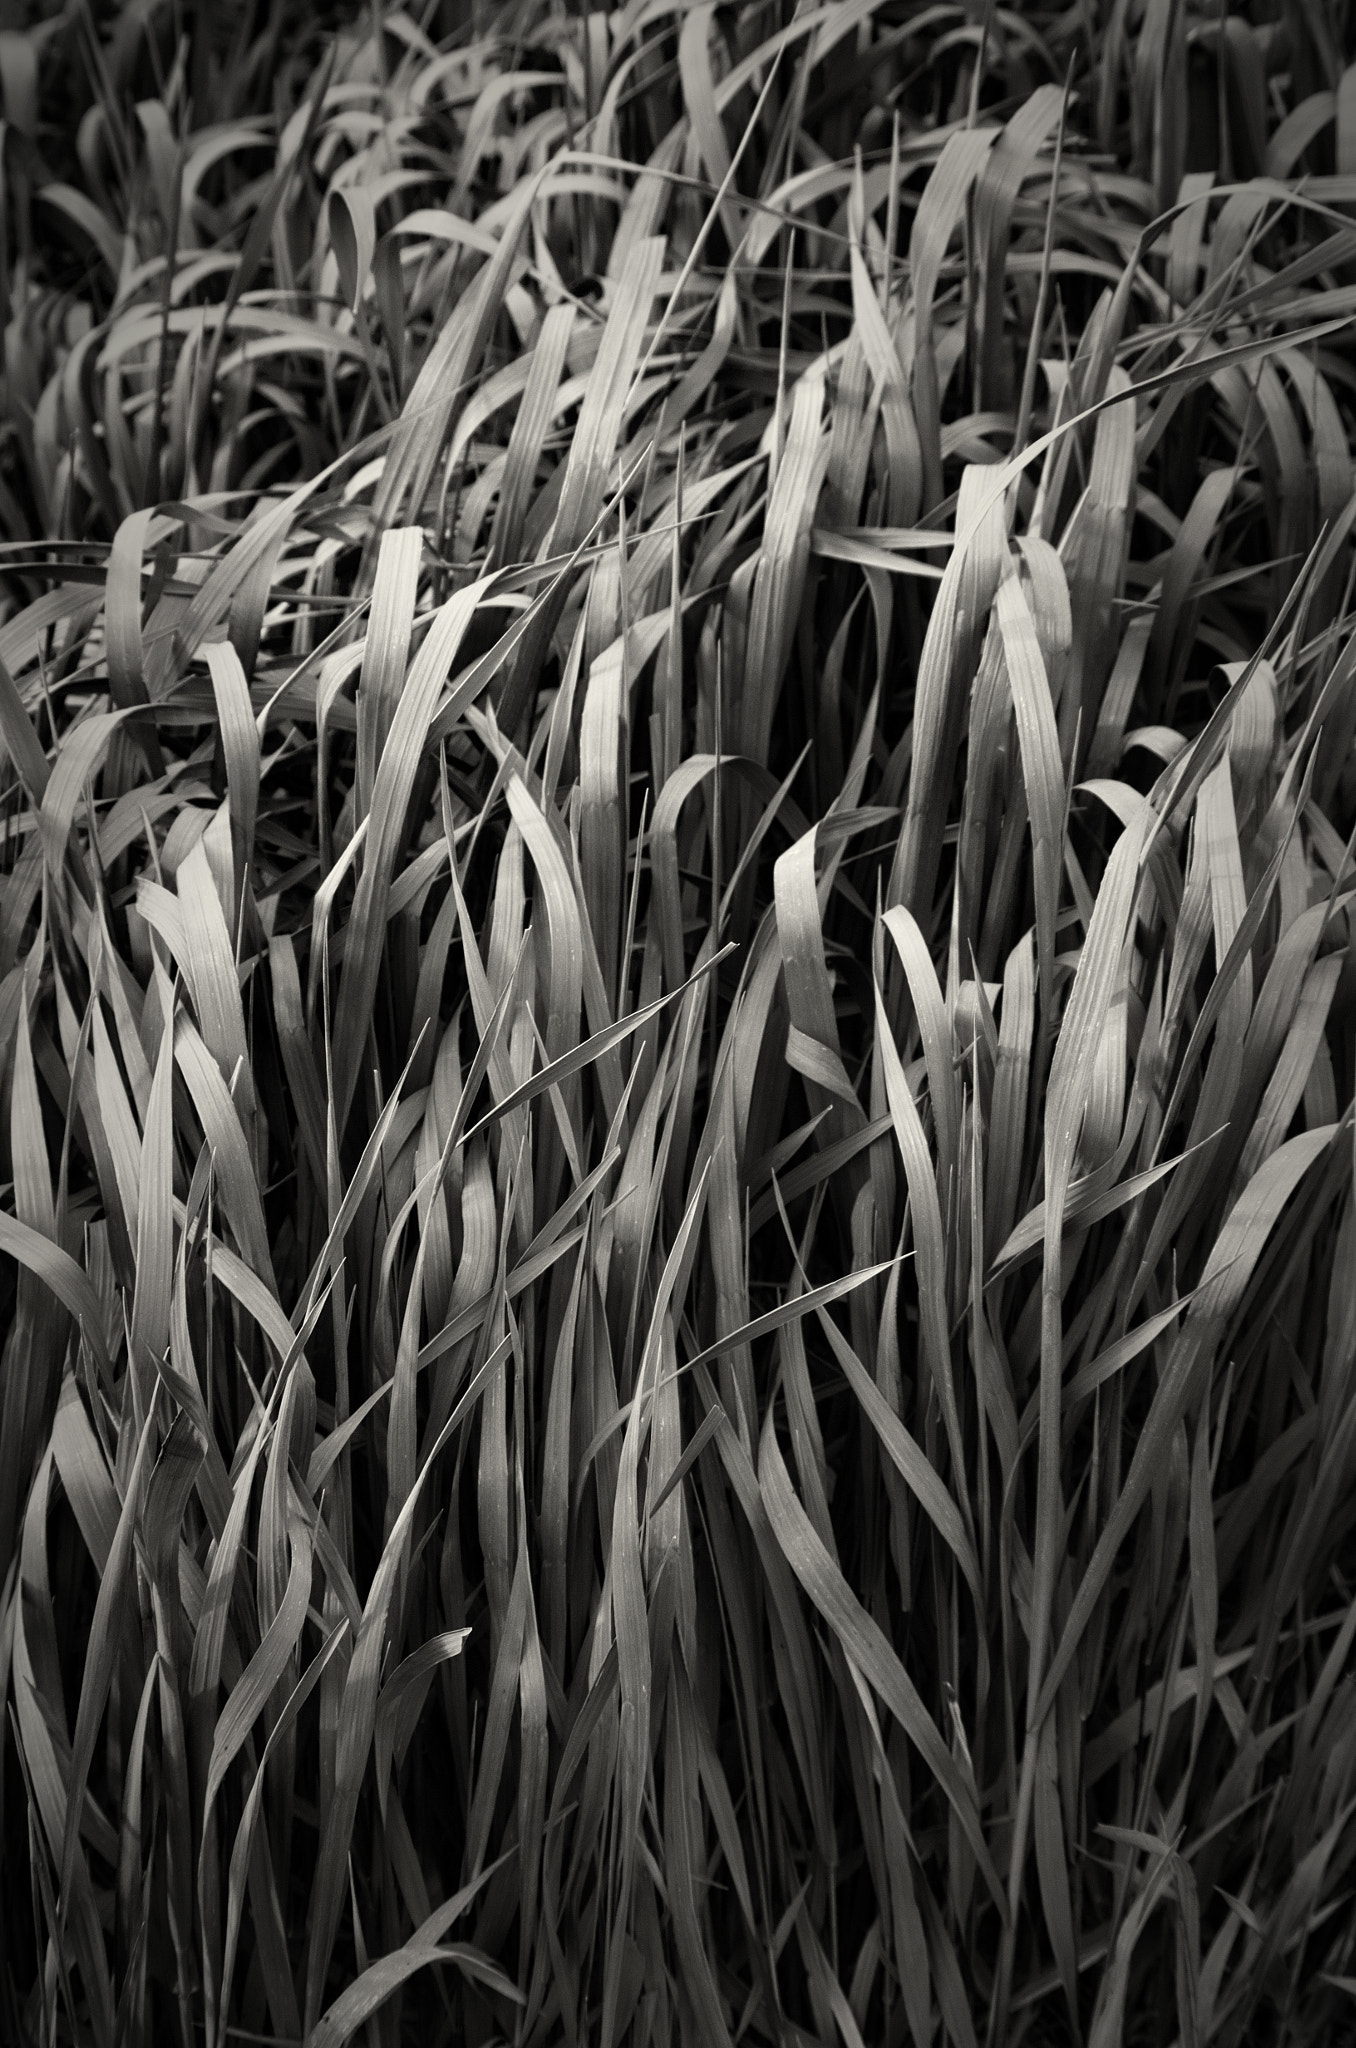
676,1007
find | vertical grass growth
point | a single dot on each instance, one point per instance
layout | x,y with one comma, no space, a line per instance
677,1033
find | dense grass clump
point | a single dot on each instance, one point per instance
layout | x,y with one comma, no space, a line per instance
678,1025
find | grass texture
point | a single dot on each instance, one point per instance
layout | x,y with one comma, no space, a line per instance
678,1026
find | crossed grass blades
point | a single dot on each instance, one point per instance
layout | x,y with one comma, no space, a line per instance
676,999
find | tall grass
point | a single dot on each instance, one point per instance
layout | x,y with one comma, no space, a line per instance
678,693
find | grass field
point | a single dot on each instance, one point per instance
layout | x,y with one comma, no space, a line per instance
678,1025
